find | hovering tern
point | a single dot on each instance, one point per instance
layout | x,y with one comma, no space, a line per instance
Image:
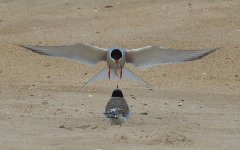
116,58
117,110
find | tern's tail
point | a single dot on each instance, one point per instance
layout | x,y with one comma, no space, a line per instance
115,75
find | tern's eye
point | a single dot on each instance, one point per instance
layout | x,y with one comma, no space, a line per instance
116,54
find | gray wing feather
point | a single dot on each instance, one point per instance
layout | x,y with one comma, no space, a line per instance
127,75
83,53
152,56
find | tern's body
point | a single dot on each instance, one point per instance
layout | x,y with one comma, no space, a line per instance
117,57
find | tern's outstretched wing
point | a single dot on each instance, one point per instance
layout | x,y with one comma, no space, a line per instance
152,56
86,54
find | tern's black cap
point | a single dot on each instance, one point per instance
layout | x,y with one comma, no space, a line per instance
117,93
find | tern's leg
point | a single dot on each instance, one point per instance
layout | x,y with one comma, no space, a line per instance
109,72
121,73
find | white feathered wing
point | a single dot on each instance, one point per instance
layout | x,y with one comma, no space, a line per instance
151,56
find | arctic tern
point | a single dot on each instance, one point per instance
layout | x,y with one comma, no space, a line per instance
116,58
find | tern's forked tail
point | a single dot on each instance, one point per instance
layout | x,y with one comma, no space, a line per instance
127,74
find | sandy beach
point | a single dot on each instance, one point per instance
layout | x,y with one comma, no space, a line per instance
191,106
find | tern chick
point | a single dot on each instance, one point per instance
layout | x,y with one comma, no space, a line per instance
117,110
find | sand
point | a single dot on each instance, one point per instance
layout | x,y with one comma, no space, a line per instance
194,105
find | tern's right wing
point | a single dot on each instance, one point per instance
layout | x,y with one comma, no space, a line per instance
83,53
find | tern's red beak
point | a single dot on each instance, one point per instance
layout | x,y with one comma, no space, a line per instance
116,61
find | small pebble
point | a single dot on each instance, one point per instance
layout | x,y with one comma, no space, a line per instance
44,103
179,104
93,127
144,113
108,6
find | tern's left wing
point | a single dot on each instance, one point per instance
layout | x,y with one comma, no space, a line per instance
152,56
83,53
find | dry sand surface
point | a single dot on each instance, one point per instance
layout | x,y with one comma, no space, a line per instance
194,105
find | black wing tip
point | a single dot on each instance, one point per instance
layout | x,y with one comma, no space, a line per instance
211,50
208,51
25,46
29,47
214,49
